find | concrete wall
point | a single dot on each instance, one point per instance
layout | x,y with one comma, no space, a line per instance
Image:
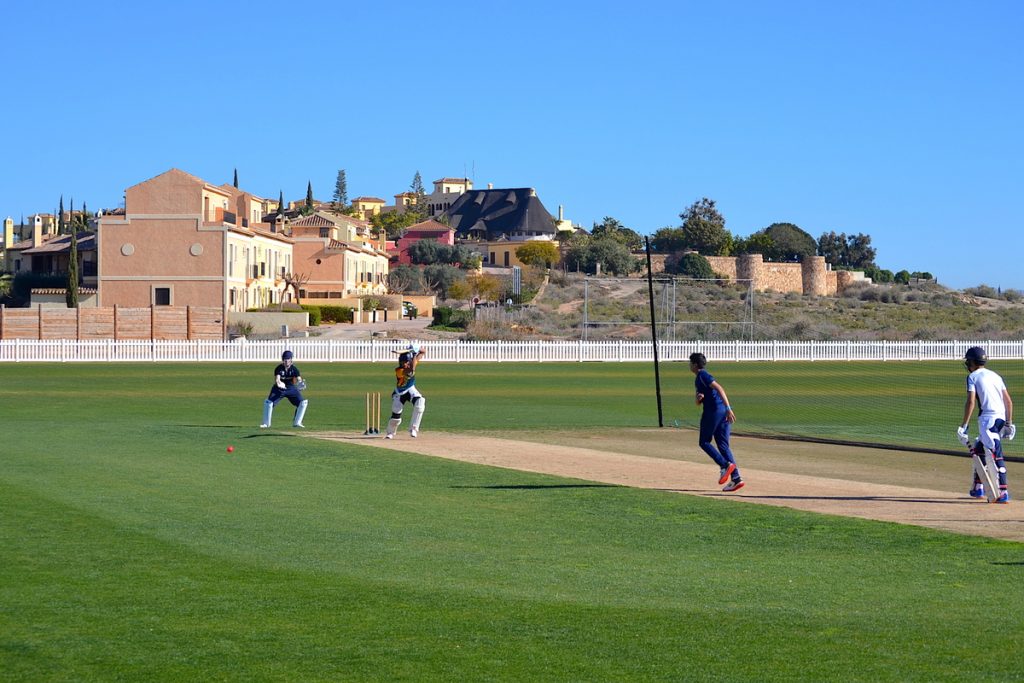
270,322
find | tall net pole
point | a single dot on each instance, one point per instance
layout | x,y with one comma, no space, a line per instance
654,332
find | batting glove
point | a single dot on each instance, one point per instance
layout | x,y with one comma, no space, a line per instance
279,383
961,434
1008,432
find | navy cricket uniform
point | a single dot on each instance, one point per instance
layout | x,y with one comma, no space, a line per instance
714,425
291,392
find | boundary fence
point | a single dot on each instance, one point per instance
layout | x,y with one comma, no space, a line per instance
457,351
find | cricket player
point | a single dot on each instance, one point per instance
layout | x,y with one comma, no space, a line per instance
406,391
288,383
716,422
995,418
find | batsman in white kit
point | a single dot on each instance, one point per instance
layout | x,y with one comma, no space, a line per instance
995,423
406,392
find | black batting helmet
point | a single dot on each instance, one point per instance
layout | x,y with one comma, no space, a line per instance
976,355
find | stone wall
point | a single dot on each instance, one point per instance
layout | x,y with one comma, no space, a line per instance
812,276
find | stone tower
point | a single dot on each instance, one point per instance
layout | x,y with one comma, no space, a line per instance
749,267
815,275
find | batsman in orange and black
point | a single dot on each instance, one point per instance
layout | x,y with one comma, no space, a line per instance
406,392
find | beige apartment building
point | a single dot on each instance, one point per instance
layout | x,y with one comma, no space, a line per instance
368,206
339,256
183,241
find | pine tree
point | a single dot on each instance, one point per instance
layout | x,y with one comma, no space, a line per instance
236,178
421,195
60,217
341,189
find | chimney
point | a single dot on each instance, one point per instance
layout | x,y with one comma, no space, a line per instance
37,230
8,232
490,186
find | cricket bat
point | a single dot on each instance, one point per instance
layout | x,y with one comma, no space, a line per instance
987,475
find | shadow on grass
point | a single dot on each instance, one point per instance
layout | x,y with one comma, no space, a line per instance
531,487
887,499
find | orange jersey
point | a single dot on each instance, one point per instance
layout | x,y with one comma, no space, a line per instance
405,378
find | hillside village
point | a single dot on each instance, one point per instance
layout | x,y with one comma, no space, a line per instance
183,242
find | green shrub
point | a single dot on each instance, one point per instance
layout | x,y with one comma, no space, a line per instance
446,316
336,314
314,314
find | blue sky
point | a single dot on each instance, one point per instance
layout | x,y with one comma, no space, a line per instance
901,120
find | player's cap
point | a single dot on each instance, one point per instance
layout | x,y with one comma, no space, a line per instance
287,355
976,355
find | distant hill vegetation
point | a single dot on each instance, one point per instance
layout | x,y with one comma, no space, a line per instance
619,308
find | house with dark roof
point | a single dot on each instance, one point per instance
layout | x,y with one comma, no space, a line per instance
514,214
53,256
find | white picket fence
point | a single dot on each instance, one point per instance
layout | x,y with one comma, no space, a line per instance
371,351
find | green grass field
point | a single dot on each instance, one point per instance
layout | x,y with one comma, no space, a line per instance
133,547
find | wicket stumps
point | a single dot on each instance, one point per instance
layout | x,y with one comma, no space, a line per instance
372,413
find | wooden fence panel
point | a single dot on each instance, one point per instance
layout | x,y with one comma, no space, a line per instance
206,322
58,323
170,322
21,323
89,323
96,323
133,323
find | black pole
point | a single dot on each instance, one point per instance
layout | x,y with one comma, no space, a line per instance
654,331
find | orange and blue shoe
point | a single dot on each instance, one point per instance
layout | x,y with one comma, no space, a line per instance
1004,497
734,485
977,492
723,476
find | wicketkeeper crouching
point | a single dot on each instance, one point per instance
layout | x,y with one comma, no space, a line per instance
288,383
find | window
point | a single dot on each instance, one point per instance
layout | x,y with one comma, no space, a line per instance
161,296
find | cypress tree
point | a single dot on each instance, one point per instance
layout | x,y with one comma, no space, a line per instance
236,178
309,197
72,294
60,217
